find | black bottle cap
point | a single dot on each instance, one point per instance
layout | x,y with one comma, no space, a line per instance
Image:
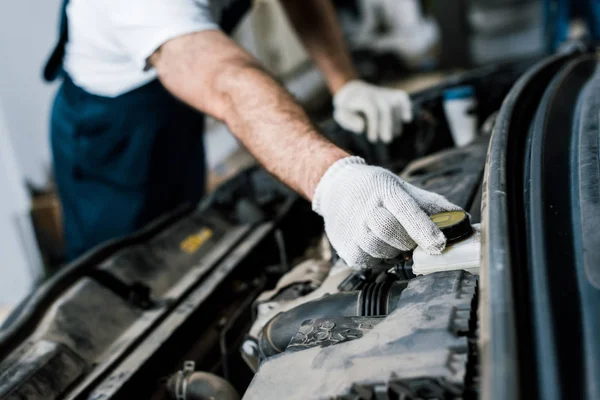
455,225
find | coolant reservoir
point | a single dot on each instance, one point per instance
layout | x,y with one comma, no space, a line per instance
463,249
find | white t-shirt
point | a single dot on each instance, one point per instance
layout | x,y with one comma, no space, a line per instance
110,40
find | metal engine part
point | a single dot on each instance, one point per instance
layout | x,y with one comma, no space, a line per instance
317,273
375,300
190,385
267,308
419,349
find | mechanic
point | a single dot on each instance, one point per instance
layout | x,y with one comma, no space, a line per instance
126,133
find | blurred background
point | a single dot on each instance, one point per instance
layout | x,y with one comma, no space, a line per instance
409,44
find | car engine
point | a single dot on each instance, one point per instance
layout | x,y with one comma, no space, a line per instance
242,296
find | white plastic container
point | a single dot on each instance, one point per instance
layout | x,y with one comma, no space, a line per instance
459,106
463,255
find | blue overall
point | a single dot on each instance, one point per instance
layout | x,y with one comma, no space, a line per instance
559,13
121,162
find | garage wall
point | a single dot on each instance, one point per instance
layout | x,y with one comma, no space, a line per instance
28,29
20,261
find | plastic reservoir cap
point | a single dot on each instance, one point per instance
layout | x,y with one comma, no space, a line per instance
455,225
463,254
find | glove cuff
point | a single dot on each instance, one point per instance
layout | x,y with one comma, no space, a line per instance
348,87
329,177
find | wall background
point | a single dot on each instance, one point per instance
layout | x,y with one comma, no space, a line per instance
28,29
20,261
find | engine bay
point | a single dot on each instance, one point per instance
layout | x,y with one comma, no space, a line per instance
358,342
345,333
243,296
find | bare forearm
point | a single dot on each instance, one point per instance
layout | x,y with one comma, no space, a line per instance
317,26
277,131
259,111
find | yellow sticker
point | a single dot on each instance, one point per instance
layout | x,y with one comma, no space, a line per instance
446,219
193,242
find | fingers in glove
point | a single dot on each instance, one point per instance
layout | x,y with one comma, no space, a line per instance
402,105
416,222
398,125
372,116
386,227
375,247
402,111
386,120
358,258
349,120
405,106
369,111
432,203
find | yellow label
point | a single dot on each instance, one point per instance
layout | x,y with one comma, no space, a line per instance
446,219
193,242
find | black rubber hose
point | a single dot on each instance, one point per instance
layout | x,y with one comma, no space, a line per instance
376,299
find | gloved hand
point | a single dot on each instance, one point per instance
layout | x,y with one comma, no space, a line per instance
359,106
371,214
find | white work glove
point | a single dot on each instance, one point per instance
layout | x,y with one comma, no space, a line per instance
371,214
360,106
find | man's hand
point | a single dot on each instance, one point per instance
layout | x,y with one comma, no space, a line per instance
360,107
371,214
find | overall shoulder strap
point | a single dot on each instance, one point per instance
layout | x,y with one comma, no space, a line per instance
54,64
